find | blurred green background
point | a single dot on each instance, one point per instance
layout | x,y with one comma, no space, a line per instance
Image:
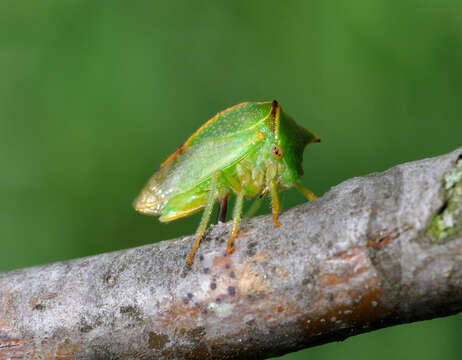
95,94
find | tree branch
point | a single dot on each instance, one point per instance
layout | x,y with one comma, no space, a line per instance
374,251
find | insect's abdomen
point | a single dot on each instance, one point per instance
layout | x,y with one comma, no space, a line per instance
241,178
185,203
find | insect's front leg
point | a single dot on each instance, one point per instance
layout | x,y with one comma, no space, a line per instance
272,181
275,202
205,216
308,194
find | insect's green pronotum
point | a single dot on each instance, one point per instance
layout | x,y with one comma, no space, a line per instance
249,150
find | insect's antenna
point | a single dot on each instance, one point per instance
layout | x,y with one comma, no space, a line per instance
274,117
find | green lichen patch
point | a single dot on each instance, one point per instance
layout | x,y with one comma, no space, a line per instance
449,219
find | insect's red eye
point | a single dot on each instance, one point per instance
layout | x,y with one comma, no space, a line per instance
276,151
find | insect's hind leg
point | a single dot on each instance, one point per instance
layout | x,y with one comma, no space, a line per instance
236,218
221,217
308,194
205,217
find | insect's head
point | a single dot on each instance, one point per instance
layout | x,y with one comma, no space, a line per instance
290,142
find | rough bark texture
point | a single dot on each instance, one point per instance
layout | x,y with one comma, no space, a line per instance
372,252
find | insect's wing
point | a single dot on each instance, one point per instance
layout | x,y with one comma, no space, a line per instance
201,161
194,165
220,142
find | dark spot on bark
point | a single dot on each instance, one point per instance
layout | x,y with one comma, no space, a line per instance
189,295
84,326
157,341
186,300
213,286
232,274
218,300
131,311
111,276
227,266
206,270
250,252
251,245
251,249
231,290
201,257
195,335
108,279
39,307
251,323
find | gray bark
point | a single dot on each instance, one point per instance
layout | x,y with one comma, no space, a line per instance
374,251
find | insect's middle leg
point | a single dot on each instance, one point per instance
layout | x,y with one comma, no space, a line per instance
253,208
205,217
236,218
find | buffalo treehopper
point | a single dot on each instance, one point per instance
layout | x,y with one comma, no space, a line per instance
249,150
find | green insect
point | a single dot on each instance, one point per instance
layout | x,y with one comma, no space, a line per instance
249,150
